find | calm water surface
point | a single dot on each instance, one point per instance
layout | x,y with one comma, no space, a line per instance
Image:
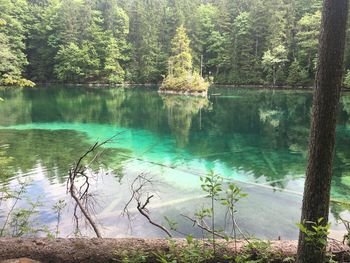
256,137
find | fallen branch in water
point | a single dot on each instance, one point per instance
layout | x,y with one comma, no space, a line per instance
138,191
346,223
203,226
82,197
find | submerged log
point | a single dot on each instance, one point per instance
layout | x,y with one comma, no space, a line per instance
114,249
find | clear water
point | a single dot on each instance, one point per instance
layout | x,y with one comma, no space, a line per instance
258,138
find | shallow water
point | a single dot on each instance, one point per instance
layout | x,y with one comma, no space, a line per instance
258,138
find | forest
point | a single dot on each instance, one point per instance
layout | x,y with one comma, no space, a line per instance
175,131
129,41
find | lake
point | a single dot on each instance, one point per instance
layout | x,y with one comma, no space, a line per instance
255,137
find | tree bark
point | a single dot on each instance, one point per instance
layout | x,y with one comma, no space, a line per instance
322,135
102,250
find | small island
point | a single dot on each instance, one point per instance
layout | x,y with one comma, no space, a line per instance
181,79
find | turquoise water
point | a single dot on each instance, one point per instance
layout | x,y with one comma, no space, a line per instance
258,138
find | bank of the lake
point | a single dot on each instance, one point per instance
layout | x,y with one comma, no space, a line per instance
111,250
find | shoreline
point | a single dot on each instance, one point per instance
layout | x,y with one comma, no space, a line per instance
186,93
113,249
214,85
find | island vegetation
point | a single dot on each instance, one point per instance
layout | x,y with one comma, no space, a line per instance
181,78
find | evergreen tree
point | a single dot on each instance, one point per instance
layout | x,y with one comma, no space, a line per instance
180,64
237,41
244,61
346,82
318,179
12,43
180,76
114,71
297,75
307,36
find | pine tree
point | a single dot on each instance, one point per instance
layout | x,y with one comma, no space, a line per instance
323,129
114,71
297,75
180,76
180,63
308,37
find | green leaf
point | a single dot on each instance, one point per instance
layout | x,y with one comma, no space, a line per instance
189,239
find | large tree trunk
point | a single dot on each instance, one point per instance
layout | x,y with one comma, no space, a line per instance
102,250
322,136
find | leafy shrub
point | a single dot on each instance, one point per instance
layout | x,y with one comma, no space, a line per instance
187,82
346,82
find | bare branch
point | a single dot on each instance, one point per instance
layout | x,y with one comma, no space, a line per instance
203,226
143,211
138,191
78,195
81,194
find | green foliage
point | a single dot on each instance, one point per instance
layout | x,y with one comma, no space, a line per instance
346,238
346,82
5,161
75,64
315,233
22,221
307,35
207,40
190,82
132,41
114,71
194,251
57,208
259,251
180,63
133,256
245,61
232,195
212,184
227,195
273,60
12,43
17,221
297,75
180,77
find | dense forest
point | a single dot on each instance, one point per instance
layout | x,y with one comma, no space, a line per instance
104,41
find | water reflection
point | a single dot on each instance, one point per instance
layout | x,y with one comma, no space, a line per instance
252,136
181,110
54,150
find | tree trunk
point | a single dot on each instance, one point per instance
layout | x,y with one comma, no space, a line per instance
322,135
102,250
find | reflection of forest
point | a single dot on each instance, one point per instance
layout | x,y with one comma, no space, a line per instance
180,111
260,132
55,151
6,162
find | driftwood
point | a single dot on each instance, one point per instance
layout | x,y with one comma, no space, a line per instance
80,193
112,250
138,190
